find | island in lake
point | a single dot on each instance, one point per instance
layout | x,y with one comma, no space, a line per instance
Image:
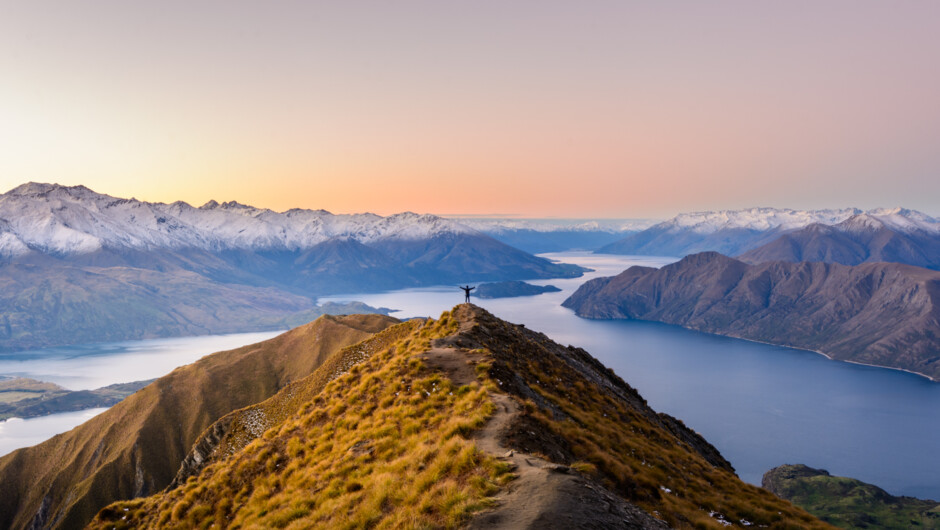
512,289
21,397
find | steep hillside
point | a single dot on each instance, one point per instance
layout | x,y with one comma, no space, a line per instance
463,421
863,238
883,314
136,447
847,502
79,266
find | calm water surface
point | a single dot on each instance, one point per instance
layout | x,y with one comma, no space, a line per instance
90,366
760,405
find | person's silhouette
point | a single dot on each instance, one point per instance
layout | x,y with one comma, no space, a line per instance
466,291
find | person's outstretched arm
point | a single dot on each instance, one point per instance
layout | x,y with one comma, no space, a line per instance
472,288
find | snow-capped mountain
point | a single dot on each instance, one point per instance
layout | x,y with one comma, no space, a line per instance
505,224
900,219
555,235
75,220
756,219
79,266
883,235
733,232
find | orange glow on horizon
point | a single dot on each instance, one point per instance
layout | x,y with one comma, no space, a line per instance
620,111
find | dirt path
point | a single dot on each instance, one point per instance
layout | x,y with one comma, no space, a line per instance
544,495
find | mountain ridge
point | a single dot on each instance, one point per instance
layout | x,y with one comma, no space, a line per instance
467,420
136,447
734,232
882,314
79,220
79,266
864,238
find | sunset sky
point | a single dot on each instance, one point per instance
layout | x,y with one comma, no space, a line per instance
565,109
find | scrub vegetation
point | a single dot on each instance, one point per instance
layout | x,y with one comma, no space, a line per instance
377,438
383,445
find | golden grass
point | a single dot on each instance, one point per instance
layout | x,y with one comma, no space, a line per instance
381,446
627,450
385,445
148,434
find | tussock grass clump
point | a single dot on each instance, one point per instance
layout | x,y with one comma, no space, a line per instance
382,445
607,431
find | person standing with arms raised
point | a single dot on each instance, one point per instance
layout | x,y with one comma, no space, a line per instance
466,291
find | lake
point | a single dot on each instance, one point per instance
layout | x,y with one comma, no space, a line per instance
90,366
760,405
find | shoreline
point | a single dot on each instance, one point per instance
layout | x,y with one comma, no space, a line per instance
826,355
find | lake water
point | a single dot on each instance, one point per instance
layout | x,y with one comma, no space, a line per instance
90,366
17,432
760,405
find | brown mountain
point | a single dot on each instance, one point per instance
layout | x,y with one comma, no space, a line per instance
464,421
859,239
884,314
136,447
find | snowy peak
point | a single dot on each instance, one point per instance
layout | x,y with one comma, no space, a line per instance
57,219
757,219
613,226
906,220
764,219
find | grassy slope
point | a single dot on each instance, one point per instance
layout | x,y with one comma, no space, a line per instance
382,445
849,503
387,445
587,416
135,447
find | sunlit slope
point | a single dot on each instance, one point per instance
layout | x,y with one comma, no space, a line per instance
397,441
136,447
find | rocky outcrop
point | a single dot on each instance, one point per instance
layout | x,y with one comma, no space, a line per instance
883,314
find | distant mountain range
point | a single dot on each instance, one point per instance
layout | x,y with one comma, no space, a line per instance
556,235
899,236
735,232
883,314
79,266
